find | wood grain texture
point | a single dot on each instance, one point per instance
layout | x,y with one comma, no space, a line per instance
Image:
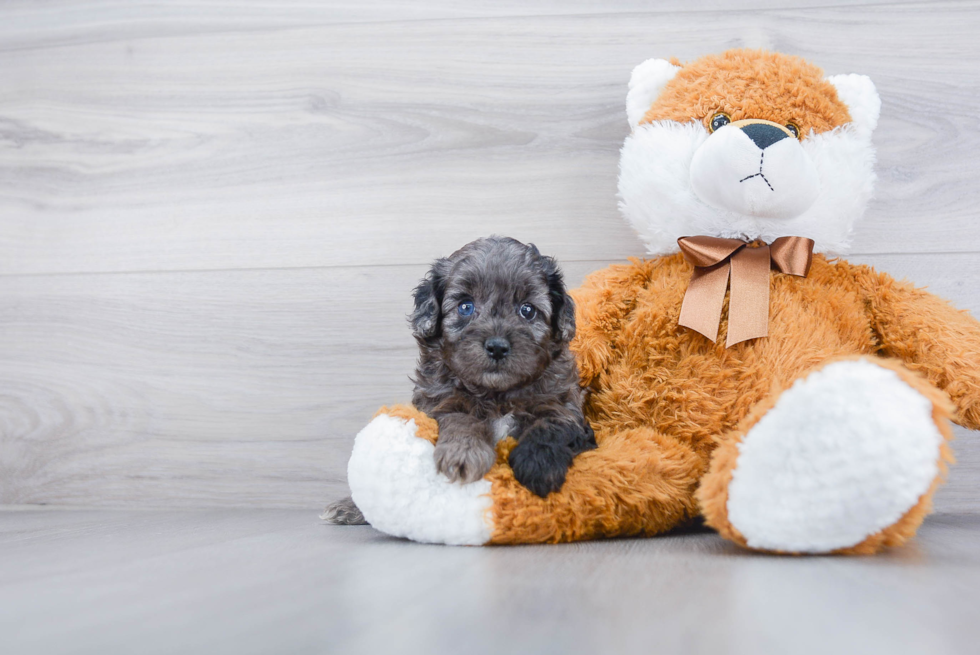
275,581
72,22
209,142
241,387
188,389
211,217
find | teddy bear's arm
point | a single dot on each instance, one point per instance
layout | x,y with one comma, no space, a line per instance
605,298
931,337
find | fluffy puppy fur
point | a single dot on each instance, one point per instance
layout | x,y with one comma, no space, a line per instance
493,322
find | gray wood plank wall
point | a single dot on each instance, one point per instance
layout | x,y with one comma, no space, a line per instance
211,216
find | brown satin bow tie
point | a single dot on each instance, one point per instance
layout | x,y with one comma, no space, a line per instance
748,263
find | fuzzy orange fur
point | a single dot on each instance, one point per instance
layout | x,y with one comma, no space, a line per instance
751,84
638,482
669,407
932,337
713,492
666,403
664,397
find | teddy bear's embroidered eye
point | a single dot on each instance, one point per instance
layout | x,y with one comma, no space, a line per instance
719,120
794,128
528,311
466,308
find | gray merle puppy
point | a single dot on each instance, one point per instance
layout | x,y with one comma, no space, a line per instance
493,322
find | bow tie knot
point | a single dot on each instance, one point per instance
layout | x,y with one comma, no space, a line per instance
747,263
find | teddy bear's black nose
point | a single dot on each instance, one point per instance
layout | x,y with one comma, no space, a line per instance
764,135
497,347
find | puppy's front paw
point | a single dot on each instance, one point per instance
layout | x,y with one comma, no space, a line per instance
540,465
464,460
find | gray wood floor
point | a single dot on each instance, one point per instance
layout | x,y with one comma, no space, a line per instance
278,581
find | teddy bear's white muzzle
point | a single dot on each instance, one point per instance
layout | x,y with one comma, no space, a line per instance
756,170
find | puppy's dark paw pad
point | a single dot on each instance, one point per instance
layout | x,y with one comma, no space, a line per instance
540,466
464,461
343,512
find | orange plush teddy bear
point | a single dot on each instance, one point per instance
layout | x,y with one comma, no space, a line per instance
799,403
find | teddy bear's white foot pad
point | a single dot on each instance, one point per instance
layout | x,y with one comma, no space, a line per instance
394,482
845,453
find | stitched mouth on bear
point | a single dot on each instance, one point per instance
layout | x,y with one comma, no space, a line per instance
762,157
755,168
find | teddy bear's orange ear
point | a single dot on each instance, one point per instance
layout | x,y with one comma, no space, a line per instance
863,104
646,83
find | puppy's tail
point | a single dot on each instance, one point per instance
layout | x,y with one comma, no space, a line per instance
343,512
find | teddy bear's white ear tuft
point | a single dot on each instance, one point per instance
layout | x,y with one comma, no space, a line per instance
859,94
646,82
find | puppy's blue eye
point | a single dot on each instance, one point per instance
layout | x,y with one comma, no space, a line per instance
528,311
465,308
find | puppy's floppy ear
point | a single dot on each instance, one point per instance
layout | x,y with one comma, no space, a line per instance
562,305
428,301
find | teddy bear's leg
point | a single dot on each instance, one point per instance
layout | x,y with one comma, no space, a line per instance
845,461
394,482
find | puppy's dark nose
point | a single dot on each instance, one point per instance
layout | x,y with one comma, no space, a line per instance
497,347
764,135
